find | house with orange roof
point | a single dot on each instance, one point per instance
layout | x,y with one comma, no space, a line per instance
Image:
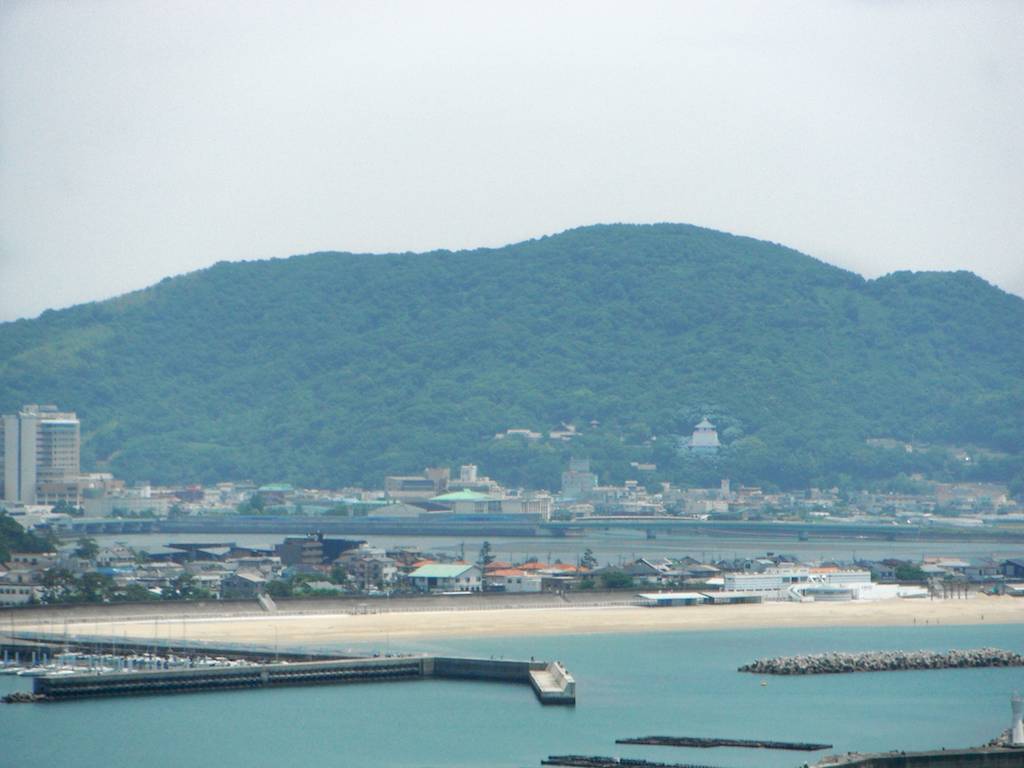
533,566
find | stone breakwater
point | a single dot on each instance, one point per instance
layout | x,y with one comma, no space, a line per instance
883,661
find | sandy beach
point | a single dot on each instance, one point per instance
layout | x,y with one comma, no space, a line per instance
341,628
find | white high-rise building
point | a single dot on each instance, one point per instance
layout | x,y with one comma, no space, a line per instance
39,452
1017,729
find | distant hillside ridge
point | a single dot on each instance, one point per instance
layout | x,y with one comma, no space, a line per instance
335,368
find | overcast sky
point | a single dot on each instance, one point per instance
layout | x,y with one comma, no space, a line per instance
145,139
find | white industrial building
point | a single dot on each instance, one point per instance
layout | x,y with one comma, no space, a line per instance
801,583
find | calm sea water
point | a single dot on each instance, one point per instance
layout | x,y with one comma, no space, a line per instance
628,685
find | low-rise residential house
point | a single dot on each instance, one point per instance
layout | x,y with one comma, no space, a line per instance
646,571
158,575
405,557
243,585
982,571
881,571
212,582
116,554
32,561
1013,568
14,593
370,569
699,571
948,564
453,577
513,580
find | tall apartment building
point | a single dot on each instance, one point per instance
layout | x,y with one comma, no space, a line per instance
39,454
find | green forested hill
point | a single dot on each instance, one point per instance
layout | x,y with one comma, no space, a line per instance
333,368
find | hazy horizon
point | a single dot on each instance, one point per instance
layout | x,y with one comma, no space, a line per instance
140,141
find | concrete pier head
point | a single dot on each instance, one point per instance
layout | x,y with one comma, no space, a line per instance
550,681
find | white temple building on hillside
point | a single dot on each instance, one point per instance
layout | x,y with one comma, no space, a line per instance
704,438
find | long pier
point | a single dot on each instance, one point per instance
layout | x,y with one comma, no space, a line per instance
551,683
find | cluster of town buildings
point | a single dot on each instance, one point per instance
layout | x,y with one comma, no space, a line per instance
40,469
315,565
42,484
303,566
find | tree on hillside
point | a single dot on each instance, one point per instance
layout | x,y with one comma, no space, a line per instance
254,505
588,560
135,593
185,587
485,557
94,587
616,580
57,584
87,548
910,572
67,508
14,538
802,364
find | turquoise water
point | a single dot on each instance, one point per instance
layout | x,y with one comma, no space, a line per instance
628,685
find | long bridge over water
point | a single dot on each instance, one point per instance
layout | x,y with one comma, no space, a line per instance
525,526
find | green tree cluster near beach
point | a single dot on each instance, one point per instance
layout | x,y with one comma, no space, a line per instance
337,368
14,538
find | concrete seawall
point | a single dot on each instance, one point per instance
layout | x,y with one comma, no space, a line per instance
980,757
550,682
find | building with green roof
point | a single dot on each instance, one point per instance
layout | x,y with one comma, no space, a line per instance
468,502
447,577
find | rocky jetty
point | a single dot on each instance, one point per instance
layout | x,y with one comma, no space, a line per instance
587,761
883,661
704,743
24,697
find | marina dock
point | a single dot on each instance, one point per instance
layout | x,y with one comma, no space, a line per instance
549,681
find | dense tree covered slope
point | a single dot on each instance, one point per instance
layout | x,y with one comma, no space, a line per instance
332,368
